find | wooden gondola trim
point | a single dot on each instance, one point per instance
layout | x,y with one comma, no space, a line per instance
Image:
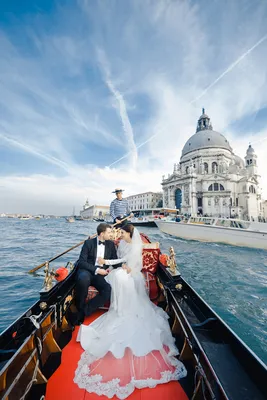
29,351
48,337
3,381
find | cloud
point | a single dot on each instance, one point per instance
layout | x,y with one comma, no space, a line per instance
102,95
230,68
121,108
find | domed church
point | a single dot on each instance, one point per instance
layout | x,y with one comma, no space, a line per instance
211,180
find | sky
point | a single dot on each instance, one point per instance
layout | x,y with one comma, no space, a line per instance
96,95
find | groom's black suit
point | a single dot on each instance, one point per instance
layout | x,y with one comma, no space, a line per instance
86,276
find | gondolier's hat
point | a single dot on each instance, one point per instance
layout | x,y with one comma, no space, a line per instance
118,190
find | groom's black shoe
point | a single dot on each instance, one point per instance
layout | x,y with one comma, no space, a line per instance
71,317
80,318
74,318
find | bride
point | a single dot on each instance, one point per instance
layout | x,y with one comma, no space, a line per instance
130,346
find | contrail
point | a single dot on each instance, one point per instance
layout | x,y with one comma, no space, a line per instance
260,140
232,66
127,127
29,149
137,147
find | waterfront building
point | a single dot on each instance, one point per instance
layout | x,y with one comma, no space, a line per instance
210,179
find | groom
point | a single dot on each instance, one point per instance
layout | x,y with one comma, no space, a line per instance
90,273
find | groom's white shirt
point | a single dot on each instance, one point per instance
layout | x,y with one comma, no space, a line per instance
100,253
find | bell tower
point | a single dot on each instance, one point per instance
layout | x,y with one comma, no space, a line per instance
251,161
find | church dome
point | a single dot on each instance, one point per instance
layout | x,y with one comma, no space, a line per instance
205,137
239,161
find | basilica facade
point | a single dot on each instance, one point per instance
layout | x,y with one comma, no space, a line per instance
211,180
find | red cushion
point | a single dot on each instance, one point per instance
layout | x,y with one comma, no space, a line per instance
151,284
150,260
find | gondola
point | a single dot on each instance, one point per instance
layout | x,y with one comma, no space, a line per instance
39,353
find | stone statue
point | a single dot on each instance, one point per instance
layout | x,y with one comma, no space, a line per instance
172,267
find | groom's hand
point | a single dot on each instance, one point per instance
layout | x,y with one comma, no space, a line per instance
102,271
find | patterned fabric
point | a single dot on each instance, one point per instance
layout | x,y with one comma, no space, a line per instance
151,260
92,292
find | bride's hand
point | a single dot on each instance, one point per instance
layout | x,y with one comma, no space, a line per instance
100,261
127,269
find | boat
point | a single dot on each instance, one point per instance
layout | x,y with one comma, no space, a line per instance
143,221
79,218
235,232
39,352
147,217
70,219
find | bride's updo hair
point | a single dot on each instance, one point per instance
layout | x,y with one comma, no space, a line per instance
128,228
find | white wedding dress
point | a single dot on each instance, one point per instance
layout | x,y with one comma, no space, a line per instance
130,346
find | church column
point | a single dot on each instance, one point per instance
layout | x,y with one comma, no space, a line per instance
191,197
183,200
165,197
172,197
194,198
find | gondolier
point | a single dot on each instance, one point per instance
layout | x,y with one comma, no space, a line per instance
119,207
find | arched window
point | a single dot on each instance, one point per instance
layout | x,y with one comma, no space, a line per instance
214,167
178,198
187,170
206,168
215,187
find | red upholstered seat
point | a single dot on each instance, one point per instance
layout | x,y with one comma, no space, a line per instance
150,266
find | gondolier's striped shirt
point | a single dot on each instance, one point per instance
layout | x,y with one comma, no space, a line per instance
119,208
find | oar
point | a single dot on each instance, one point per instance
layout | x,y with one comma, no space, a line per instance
73,247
